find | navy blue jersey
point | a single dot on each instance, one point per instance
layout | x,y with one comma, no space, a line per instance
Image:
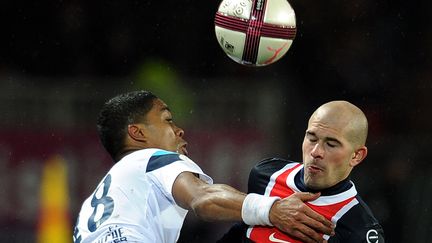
341,204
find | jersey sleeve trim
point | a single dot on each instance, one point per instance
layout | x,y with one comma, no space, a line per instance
159,159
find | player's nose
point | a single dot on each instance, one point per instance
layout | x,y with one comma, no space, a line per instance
317,151
179,132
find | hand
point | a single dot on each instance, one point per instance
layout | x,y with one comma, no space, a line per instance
295,218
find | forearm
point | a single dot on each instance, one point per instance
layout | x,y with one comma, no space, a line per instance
218,203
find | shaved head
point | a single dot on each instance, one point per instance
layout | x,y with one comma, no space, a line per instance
347,117
334,143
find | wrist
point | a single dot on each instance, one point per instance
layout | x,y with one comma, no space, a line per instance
256,209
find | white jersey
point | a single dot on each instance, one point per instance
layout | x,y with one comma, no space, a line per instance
134,201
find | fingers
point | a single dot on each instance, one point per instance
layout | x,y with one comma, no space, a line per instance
316,221
307,196
306,234
294,217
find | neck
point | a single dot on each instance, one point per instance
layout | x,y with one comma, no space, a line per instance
338,188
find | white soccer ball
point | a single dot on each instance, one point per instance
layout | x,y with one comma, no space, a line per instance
255,32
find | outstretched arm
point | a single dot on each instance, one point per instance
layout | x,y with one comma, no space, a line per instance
220,202
217,202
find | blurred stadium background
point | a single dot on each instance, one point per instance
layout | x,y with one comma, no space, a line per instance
60,60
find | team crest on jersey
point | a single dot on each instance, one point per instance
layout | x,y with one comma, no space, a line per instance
372,236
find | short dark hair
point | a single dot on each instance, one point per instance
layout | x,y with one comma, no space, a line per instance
117,113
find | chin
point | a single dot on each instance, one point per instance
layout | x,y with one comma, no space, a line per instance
313,185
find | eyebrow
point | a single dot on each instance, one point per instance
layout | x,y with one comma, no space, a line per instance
165,108
325,138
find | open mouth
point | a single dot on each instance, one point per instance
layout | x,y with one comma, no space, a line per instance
314,169
181,149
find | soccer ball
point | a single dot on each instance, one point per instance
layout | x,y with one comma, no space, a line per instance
255,32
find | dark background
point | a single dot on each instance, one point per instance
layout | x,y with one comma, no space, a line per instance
59,60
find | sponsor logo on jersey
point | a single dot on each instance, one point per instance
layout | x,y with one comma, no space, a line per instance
272,238
113,235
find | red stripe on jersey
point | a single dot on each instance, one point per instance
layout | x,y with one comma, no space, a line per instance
281,189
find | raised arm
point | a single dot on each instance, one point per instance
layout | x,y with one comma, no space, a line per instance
221,202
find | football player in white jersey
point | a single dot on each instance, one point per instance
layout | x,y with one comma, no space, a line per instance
146,195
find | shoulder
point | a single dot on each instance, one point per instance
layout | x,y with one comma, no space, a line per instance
269,165
153,159
145,155
359,225
261,173
148,153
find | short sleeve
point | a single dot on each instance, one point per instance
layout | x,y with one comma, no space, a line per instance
164,167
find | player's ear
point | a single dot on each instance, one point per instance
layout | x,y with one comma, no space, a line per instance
136,132
358,156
